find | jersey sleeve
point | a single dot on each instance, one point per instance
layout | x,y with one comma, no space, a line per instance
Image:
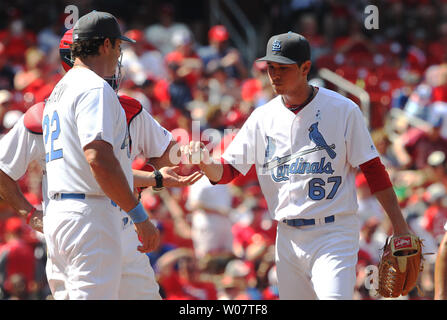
96,112
241,153
148,136
18,148
359,145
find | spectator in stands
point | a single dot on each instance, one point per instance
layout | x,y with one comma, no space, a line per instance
436,171
210,225
141,60
271,292
437,49
419,101
37,79
259,72
191,64
372,239
48,38
355,42
254,228
179,91
435,216
16,255
308,27
160,34
414,146
16,39
383,144
15,288
220,54
235,283
223,90
7,72
369,207
254,92
180,277
5,105
416,59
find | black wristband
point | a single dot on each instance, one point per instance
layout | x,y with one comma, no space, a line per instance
158,180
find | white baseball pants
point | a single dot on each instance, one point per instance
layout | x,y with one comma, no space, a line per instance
318,261
84,248
135,279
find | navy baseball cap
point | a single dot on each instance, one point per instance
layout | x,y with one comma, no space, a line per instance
287,48
97,25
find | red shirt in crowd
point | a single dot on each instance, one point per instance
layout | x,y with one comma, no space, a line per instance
435,217
178,288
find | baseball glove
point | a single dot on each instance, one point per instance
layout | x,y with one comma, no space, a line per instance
400,265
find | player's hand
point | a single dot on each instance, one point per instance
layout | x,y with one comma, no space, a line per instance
196,152
171,178
36,221
148,235
403,231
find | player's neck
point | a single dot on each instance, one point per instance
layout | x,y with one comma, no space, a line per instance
300,96
96,65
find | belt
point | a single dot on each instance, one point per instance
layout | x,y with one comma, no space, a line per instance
76,196
308,222
69,196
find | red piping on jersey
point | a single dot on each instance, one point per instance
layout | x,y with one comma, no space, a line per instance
132,107
376,175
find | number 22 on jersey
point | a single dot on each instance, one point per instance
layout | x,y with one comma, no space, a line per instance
54,127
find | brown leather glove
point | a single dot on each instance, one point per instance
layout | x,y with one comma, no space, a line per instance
400,265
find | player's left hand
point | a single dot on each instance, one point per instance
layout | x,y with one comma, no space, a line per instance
171,177
36,221
400,232
148,235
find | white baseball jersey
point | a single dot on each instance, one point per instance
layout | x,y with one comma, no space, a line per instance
18,148
149,138
73,118
305,162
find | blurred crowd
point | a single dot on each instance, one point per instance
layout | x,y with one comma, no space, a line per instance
217,241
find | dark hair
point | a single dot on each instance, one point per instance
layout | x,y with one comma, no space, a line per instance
90,47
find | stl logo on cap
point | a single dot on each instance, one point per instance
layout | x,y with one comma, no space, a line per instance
276,46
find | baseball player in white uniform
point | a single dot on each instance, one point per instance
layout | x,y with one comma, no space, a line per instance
306,144
88,167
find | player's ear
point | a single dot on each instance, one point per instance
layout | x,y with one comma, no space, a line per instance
305,67
107,45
